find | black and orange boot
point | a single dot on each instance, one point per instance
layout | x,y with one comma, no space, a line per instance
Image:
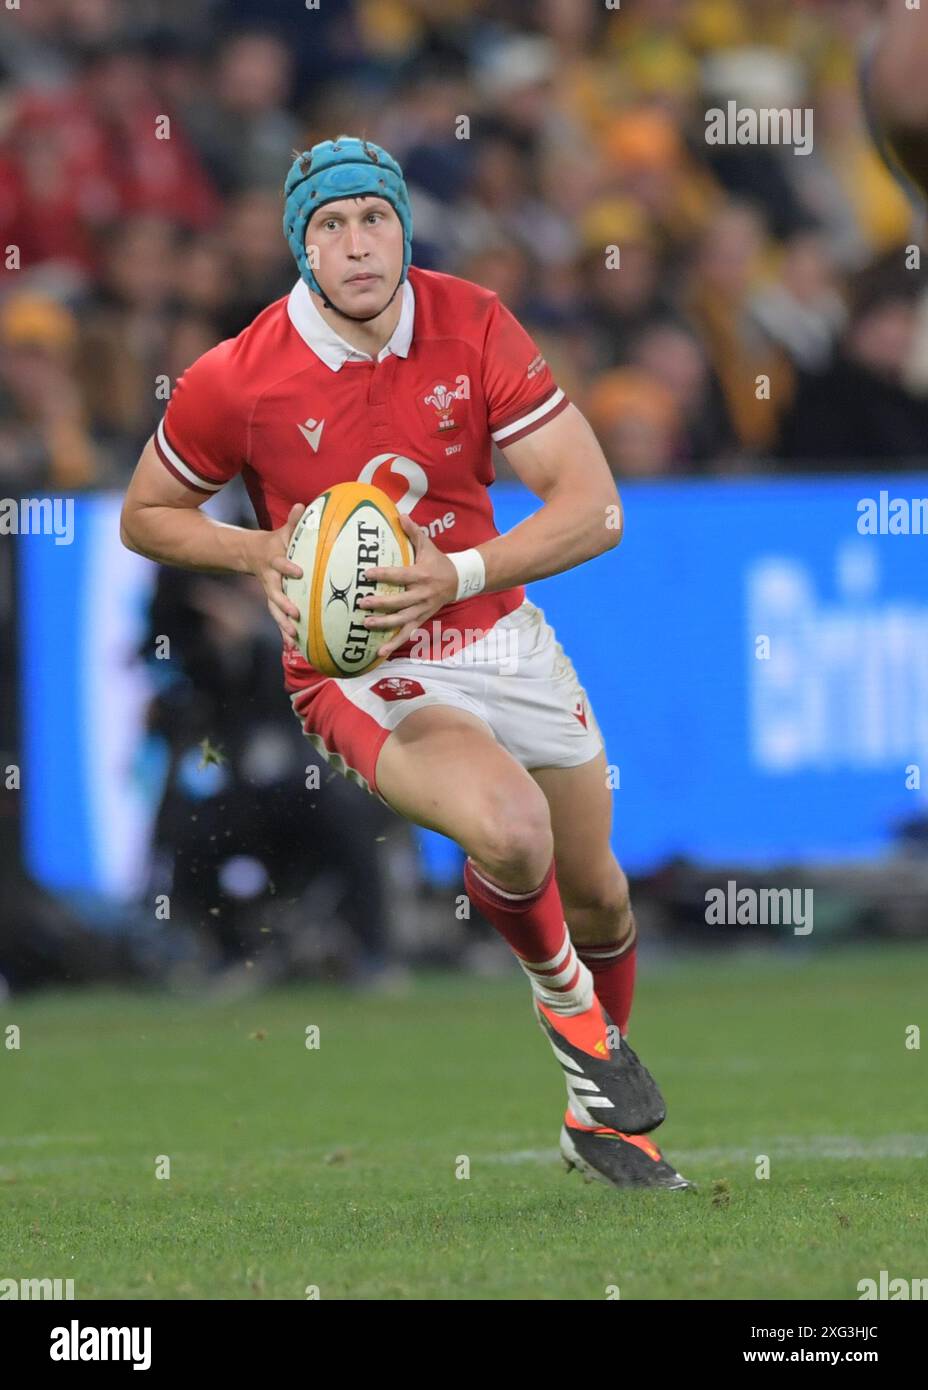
619,1159
606,1083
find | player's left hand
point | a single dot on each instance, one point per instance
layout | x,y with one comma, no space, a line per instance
431,581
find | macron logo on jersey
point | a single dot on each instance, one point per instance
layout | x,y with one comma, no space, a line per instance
312,433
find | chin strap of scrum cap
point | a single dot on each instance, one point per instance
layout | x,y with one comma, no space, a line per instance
342,168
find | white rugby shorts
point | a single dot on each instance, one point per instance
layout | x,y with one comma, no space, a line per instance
516,678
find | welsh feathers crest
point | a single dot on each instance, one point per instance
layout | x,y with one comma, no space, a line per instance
443,398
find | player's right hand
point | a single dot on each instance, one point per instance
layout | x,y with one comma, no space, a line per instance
270,566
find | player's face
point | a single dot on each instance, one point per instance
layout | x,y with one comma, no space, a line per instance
359,245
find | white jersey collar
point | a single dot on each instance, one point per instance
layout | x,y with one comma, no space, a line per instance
329,346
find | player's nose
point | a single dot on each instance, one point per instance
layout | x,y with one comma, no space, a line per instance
356,245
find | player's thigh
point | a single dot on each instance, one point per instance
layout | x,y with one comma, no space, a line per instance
580,803
442,768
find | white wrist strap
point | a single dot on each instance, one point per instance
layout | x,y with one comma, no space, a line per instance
472,572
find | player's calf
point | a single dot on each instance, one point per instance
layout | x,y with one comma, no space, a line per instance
598,905
605,935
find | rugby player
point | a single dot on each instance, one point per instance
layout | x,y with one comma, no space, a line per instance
377,371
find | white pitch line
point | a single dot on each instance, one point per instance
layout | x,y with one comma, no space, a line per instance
836,1146
40,1141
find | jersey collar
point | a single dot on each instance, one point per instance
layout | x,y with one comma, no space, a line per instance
326,343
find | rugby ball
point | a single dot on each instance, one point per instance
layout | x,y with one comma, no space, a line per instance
344,530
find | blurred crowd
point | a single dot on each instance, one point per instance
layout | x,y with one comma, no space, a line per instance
714,309
555,152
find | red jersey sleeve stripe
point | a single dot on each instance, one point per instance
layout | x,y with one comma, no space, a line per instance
521,411
175,464
531,420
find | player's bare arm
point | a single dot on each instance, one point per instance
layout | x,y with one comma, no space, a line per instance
161,519
561,463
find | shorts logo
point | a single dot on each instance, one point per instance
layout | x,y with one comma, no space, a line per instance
397,688
443,400
580,713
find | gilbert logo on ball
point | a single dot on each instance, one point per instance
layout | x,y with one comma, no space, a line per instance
346,529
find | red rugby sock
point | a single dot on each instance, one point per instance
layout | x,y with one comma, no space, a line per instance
613,969
533,925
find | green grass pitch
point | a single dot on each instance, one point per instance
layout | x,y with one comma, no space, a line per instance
336,1167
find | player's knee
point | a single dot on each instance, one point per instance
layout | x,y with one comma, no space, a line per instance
514,841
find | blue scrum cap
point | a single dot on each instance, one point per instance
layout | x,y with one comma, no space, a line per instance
342,168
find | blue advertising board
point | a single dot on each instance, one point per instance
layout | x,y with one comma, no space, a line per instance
756,653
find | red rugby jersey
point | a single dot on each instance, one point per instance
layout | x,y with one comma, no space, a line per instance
294,408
